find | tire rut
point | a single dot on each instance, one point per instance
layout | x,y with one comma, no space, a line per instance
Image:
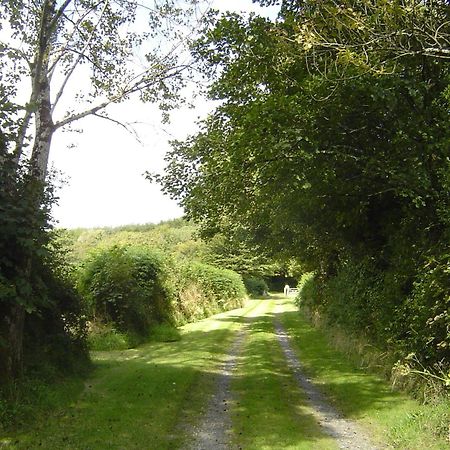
347,433
215,429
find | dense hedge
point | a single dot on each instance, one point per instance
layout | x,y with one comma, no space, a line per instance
204,290
130,289
125,286
256,286
365,300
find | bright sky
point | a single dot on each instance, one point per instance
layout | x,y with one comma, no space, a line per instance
104,170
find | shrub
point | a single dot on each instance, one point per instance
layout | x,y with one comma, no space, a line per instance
422,320
204,290
255,286
125,286
164,333
134,293
105,337
396,313
307,291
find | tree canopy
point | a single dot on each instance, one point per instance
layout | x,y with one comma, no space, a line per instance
76,57
292,151
331,141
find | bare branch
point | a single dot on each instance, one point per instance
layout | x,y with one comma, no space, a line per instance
85,113
78,59
140,85
75,29
125,125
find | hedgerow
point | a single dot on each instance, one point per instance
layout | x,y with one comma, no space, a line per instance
370,302
131,290
204,290
125,286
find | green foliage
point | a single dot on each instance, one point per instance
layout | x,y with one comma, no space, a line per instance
235,250
179,238
366,302
307,295
333,150
25,215
176,237
35,278
125,286
256,286
135,292
423,324
103,337
204,290
164,333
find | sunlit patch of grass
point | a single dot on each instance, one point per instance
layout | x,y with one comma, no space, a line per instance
107,338
363,396
271,411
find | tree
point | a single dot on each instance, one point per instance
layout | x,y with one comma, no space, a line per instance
326,159
23,241
52,43
302,156
373,34
78,57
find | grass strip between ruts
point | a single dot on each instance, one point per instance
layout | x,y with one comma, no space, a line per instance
270,410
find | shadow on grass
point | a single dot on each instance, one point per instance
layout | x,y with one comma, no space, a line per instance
134,398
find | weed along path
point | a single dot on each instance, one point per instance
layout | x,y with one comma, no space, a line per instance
254,378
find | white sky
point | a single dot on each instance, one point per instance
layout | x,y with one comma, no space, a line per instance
104,171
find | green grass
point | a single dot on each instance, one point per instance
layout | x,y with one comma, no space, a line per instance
164,333
152,396
137,397
32,397
271,411
106,339
367,398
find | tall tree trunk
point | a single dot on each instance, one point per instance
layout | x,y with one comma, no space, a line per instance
11,344
12,322
44,129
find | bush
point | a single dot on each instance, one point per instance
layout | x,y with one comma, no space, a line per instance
255,286
164,333
125,286
134,293
396,314
104,337
204,290
422,320
307,291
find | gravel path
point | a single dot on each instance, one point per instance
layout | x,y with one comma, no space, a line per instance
347,433
214,431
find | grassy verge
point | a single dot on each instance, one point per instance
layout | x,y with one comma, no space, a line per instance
390,415
271,411
34,397
137,397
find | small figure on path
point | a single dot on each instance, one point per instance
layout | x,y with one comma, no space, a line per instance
286,290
